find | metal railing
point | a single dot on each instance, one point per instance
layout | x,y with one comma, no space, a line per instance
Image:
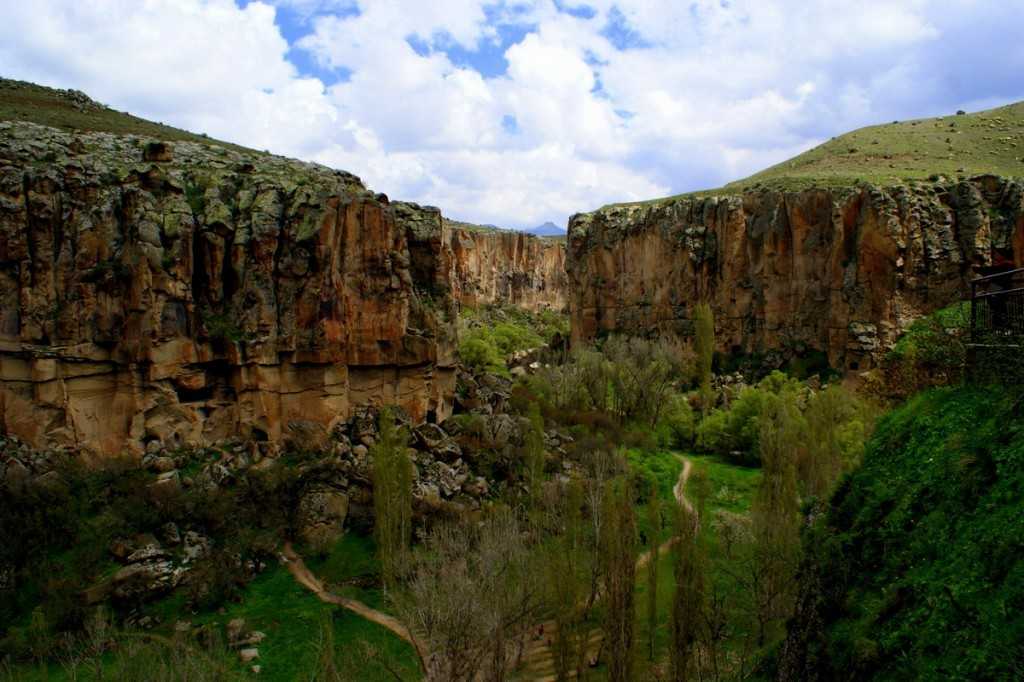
997,310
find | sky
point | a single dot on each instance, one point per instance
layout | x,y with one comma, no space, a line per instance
517,112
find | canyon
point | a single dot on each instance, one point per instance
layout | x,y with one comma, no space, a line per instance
166,294
842,272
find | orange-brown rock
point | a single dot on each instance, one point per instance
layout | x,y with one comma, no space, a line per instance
843,272
498,266
187,293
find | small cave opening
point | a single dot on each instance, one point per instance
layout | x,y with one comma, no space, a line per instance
194,395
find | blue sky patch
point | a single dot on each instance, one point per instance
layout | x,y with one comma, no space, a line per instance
620,34
579,11
510,124
488,57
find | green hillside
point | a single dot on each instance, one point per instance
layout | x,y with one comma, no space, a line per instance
74,110
917,573
959,145
967,144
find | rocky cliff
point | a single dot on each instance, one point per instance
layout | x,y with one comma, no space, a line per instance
492,266
843,271
184,293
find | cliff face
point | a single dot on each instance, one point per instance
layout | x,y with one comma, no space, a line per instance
186,293
843,272
510,267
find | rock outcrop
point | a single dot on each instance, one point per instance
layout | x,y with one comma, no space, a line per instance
842,272
185,293
498,266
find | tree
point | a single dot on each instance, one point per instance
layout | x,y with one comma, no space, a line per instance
618,543
534,451
838,425
392,496
688,598
641,375
704,345
654,530
471,587
565,570
775,512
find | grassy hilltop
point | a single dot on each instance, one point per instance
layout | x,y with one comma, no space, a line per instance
959,145
74,110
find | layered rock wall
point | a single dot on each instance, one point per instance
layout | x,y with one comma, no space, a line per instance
843,272
496,266
185,293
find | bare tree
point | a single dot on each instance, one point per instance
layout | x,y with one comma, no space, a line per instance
470,594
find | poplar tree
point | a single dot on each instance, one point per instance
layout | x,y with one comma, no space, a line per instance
654,526
704,346
775,512
534,450
618,549
392,496
688,599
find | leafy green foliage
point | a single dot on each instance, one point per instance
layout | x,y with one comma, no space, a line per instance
487,337
920,557
733,432
676,424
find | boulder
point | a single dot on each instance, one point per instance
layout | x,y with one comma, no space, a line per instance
307,436
429,436
146,580
195,547
321,515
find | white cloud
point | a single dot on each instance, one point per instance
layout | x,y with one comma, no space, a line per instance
639,99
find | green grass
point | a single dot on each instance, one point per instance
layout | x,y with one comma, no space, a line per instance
958,145
352,569
291,617
22,101
922,555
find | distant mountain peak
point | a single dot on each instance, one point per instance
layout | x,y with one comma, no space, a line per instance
548,229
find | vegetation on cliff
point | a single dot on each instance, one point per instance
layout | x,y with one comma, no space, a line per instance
916,570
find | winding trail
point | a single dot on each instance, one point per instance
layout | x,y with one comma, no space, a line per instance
538,662
305,577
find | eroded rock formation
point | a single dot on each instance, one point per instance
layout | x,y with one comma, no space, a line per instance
186,293
838,271
497,266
